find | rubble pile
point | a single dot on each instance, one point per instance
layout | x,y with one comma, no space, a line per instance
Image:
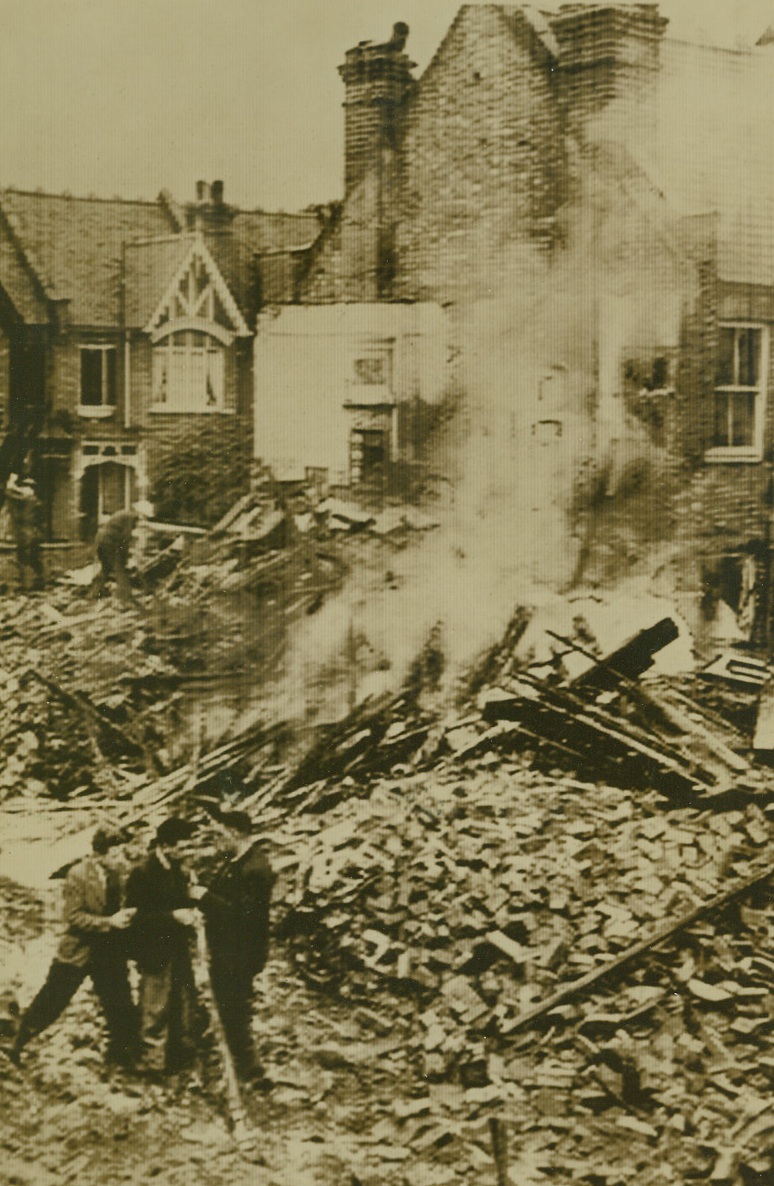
72,719
582,963
534,930
459,900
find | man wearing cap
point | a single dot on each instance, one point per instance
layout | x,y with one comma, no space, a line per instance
113,545
236,919
93,945
161,936
24,509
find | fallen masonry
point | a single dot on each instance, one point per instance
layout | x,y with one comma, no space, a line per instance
535,931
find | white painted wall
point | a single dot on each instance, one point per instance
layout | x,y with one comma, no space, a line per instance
305,377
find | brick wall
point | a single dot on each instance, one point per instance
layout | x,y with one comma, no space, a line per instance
482,157
163,434
493,169
159,436
480,160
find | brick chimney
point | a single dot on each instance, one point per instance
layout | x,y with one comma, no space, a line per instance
377,80
607,53
209,212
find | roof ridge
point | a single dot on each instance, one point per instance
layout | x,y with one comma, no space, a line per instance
278,213
69,197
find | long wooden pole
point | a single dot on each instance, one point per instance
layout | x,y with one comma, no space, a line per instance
242,1133
574,987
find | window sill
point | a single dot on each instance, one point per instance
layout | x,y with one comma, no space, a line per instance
166,410
89,412
365,397
733,456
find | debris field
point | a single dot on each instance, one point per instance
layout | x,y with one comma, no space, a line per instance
525,939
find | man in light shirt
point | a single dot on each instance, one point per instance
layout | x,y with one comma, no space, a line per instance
91,946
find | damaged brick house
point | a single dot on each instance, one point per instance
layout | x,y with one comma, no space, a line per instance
124,326
607,193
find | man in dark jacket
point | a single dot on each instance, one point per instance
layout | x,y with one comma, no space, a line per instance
161,938
236,919
93,945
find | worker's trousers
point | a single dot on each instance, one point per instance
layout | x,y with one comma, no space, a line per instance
111,984
167,1017
232,988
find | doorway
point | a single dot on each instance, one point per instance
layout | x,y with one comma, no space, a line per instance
368,455
105,489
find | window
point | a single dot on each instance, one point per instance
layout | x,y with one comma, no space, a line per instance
737,423
372,365
98,380
371,370
188,373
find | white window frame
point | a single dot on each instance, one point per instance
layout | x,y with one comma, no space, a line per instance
368,394
105,409
753,452
209,358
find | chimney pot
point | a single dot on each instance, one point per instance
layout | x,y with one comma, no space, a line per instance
202,191
217,193
400,32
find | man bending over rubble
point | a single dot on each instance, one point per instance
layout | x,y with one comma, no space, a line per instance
236,920
93,945
113,545
161,939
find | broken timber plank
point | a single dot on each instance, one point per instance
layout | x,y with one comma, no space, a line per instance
506,729
669,712
660,936
91,714
738,670
631,659
607,742
763,741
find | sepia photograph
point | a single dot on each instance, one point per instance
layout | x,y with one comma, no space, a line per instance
386,593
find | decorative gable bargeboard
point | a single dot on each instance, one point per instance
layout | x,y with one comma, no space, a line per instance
193,325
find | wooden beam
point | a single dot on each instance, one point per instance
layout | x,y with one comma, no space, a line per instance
673,716
631,659
658,937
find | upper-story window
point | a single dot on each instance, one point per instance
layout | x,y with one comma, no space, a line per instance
98,380
188,373
371,377
372,369
740,393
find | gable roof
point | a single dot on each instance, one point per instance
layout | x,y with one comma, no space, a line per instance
150,265
75,246
75,249
704,134
262,230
